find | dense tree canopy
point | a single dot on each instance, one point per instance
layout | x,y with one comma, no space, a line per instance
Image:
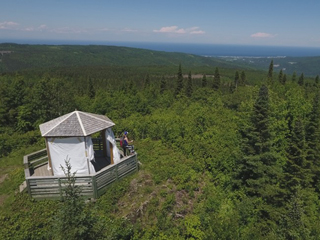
215,163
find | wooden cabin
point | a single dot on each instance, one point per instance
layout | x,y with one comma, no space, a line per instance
96,162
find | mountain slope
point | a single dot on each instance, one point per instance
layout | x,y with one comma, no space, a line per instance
25,57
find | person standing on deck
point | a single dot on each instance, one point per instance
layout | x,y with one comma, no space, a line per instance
125,144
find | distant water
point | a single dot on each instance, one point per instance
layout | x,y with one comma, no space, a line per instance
213,50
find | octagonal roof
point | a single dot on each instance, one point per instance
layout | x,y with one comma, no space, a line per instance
75,124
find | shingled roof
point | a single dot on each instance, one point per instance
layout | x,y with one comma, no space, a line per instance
75,124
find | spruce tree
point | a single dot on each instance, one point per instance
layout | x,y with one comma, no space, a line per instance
91,91
163,85
179,86
270,72
316,80
280,77
301,80
297,169
294,77
73,219
204,81
284,79
258,172
236,79
18,92
243,78
313,141
216,80
189,85
147,81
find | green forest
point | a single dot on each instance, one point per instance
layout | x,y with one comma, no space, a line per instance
226,151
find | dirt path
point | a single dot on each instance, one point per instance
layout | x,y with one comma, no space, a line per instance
3,177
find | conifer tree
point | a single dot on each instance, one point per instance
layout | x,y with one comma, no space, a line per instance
301,80
295,225
147,81
216,80
294,77
280,77
179,86
189,85
313,141
243,78
74,220
270,72
284,79
92,92
4,104
258,172
236,79
163,85
316,80
15,98
42,100
297,169
204,81
18,92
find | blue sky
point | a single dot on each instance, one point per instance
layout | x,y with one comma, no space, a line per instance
248,22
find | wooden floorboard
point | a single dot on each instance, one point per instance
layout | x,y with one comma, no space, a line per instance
42,171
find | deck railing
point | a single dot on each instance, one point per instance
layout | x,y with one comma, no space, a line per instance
92,186
34,160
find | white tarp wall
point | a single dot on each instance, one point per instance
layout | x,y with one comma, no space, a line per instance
110,138
78,150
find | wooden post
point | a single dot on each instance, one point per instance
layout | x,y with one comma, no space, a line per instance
49,157
29,188
95,188
111,152
60,189
104,142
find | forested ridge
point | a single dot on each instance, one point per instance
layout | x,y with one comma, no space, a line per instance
18,57
226,152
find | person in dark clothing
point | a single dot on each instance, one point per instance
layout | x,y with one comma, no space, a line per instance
125,144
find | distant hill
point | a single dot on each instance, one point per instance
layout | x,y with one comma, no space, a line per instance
16,57
309,66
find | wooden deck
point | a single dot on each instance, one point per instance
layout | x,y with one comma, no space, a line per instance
42,185
42,171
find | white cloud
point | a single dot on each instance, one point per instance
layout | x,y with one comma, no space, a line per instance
8,25
42,27
29,29
197,32
262,35
68,30
128,30
104,29
176,29
167,29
